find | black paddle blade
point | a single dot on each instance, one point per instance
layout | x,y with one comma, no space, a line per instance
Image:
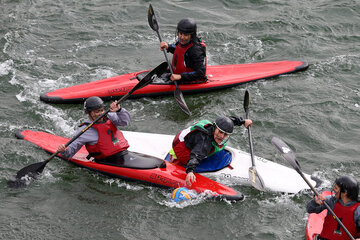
246,101
26,174
286,153
181,101
256,180
150,76
152,19
162,68
32,170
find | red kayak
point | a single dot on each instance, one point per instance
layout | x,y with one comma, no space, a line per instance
315,222
218,77
135,167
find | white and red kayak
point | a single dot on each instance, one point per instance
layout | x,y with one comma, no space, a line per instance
218,77
228,167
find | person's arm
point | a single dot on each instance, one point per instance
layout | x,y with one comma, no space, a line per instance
238,121
171,48
357,218
200,145
316,206
119,117
88,137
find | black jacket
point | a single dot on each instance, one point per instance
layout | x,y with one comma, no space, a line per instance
194,58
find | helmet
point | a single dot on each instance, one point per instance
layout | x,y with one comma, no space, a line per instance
180,194
225,124
187,25
349,186
93,103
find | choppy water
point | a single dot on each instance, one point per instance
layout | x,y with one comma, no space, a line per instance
47,45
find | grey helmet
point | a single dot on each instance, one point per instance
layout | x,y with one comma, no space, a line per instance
93,103
187,25
225,124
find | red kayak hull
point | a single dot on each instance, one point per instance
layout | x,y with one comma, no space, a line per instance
219,77
169,175
315,222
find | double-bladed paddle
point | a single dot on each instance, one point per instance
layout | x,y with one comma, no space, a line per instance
36,168
177,93
289,155
254,177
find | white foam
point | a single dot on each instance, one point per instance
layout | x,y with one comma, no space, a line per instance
6,67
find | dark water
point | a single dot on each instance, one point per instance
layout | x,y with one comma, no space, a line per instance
47,45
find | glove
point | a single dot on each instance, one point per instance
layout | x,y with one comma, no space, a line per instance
238,121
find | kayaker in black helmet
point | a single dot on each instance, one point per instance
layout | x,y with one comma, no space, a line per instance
104,141
346,206
189,59
195,143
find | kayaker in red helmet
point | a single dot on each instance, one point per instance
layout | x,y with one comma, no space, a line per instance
104,141
346,207
193,144
189,53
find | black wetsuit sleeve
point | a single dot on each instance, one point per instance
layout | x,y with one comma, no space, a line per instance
313,207
171,48
200,145
194,58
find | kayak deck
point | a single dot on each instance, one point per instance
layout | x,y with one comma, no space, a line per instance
219,77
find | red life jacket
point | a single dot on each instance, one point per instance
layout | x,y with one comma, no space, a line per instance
111,140
332,229
182,152
178,61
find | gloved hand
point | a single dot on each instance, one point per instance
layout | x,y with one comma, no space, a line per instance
238,121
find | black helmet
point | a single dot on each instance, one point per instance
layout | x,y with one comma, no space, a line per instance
349,186
225,124
187,25
93,103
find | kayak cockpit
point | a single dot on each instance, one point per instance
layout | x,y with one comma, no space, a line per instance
164,79
135,160
212,163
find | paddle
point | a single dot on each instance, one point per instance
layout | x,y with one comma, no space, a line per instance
177,93
256,180
36,168
289,155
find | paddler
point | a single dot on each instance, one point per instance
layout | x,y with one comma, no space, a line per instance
189,53
104,141
193,144
346,207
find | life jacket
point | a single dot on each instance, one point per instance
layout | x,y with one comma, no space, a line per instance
178,61
332,229
111,141
181,153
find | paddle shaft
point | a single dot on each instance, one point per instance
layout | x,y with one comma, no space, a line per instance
251,144
246,107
